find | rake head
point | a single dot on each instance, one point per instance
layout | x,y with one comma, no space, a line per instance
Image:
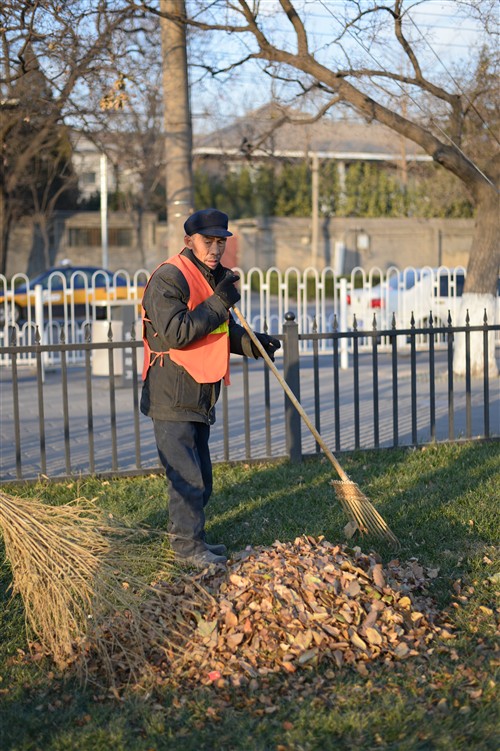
362,512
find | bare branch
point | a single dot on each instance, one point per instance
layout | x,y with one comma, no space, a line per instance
293,17
286,118
219,71
192,22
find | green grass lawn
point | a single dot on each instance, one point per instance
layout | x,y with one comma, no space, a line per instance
442,502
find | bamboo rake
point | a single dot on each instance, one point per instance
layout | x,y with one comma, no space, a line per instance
354,502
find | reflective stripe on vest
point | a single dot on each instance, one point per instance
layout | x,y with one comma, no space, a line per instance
207,359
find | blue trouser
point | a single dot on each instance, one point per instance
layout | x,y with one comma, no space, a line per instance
183,450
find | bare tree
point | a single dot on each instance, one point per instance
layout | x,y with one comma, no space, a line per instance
144,122
435,115
128,126
48,177
72,42
135,147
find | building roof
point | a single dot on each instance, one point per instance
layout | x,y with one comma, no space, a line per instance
257,134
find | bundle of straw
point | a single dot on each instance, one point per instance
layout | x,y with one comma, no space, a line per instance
76,570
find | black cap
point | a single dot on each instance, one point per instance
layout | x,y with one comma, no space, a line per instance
209,222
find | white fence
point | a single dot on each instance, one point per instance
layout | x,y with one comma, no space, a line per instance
78,308
323,300
71,304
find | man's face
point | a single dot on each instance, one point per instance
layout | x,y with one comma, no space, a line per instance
208,250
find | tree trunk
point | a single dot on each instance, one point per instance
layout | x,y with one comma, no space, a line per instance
177,119
4,233
480,296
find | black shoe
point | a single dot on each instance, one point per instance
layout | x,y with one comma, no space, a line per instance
202,560
217,549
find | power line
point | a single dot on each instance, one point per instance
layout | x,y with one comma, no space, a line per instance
322,17
398,83
462,92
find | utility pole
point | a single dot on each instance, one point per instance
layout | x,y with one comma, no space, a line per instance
404,161
177,122
315,210
104,210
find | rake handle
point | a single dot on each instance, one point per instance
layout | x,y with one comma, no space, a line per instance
288,391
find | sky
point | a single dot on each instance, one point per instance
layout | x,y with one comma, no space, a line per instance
445,37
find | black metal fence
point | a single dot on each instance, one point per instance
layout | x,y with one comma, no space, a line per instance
71,420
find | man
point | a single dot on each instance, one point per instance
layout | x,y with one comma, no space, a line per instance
188,334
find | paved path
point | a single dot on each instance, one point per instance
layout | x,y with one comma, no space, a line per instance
246,434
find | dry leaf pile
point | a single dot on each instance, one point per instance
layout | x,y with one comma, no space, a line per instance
292,605
273,610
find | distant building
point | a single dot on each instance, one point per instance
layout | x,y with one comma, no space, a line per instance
268,133
274,132
88,165
341,242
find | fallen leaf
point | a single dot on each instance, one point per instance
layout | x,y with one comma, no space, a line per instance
357,640
373,636
475,693
307,656
353,589
230,619
378,576
239,581
401,650
485,610
442,705
350,529
445,634
206,628
233,640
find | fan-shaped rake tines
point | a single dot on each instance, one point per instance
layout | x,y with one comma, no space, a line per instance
362,512
356,505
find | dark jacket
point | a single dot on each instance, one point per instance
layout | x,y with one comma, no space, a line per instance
169,392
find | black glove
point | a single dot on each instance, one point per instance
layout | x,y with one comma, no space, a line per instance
270,344
227,291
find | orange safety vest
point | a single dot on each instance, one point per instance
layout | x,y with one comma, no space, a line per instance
207,359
